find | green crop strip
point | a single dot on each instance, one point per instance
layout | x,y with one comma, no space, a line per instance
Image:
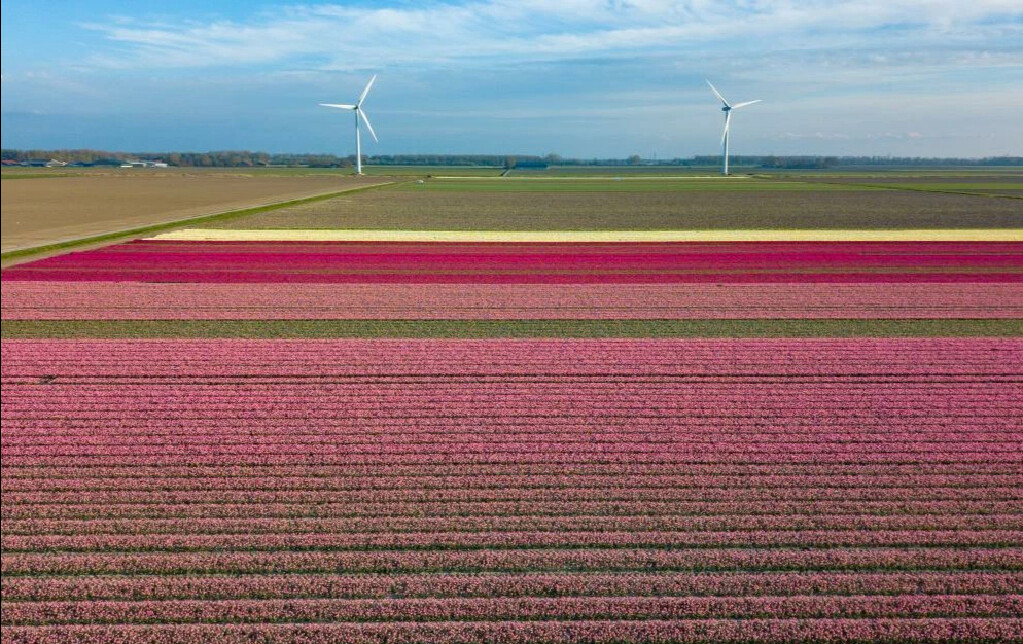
506,328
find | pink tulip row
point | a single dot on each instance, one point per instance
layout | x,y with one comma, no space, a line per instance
378,420
751,631
368,386
832,455
302,461
514,539
993,422
641,469
329,586
391,447
594,359
871,559
366,398
669,464
741,423
476,482
67,508
564,494
518,522
502,609
540,411
367,392
660,467
374,405
182,427
26,300
592,477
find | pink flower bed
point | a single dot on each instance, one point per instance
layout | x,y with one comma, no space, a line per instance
43,300
732,490
665,361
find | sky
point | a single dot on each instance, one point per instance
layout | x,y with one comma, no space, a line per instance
581,78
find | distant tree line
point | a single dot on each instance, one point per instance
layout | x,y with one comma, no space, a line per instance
248,159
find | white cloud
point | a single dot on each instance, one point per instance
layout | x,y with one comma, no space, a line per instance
354,37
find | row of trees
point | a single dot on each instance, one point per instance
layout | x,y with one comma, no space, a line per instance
248,159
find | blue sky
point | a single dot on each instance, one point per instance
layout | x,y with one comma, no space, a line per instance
577,77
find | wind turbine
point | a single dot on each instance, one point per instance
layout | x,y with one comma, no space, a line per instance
360,114
727,109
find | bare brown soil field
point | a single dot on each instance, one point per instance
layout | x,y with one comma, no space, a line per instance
59,208
683,209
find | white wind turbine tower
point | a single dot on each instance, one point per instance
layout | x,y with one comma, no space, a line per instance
727,109
359,115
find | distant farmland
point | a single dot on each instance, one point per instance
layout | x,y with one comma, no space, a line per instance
657,203
59,204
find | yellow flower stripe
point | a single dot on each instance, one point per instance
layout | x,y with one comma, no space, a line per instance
935,234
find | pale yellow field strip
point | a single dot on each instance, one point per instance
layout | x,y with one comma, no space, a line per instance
365,235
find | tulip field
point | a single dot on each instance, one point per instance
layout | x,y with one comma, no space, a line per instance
610,490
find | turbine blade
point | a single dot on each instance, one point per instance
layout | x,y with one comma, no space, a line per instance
369,126
738,105
728,123
362,96
718,94
338,105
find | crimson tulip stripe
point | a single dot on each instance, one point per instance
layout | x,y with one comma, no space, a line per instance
515,263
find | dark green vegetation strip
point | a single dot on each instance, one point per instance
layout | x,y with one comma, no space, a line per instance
33,175
191,221
504,328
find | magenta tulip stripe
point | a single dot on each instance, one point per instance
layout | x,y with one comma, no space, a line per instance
534,263
546,490
31,300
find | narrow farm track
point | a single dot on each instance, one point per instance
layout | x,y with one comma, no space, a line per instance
688,490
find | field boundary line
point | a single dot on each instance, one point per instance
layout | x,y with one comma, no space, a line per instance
897,188
508,236
520,328
32,251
